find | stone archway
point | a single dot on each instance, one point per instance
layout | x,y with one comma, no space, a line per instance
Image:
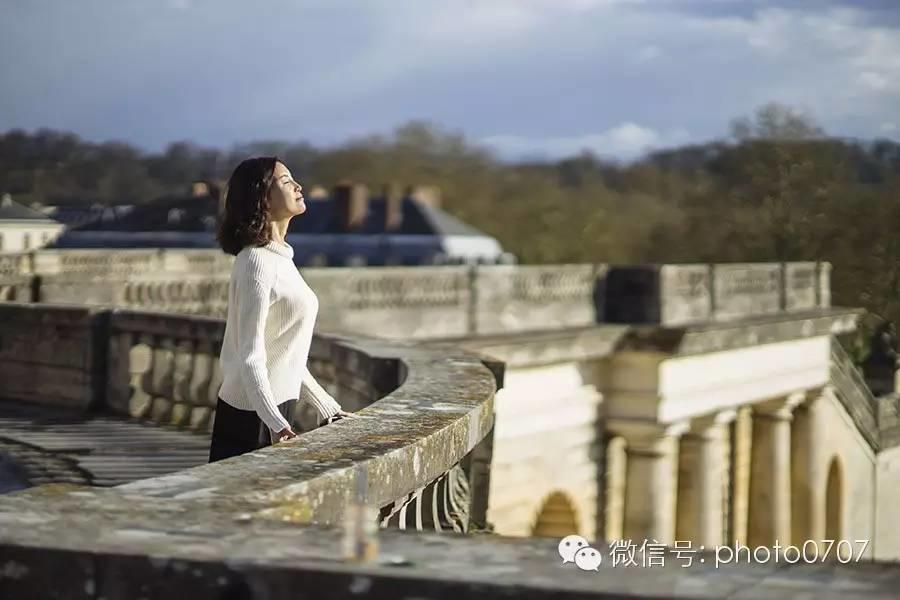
834,501
556,518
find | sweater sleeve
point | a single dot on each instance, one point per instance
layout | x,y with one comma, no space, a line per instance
254,287
318,396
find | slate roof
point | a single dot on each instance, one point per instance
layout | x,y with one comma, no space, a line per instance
317,236
73,216
198,214
10,210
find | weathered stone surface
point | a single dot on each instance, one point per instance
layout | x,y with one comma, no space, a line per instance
528,298
213,559
440,302
537,348
440,412
427,409
746,289
664,294
676,295
51,356
591,343
853,393
15,264
368,301
888,411
16,288
801,291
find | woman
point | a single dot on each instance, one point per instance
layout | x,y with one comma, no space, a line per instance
271,314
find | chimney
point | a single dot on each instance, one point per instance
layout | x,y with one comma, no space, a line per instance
429,195
351,205
199,189
316,192
393,207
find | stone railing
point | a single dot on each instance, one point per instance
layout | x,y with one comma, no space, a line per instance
15,278
15,264
441,302
679,294
419,449
393,302
851,390
105,262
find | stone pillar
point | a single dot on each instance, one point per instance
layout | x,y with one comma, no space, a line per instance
614,489
650,480
770,472
808,478
740,442
701,473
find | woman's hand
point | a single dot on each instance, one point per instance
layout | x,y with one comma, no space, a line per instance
341,414
283,435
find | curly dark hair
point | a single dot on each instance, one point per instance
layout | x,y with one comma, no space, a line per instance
245,221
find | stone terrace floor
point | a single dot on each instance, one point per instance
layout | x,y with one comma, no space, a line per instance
48,445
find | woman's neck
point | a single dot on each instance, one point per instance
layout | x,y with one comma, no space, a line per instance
279,230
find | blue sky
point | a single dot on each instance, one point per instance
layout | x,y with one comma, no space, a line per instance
525,77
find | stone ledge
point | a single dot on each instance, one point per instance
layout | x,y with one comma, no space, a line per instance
522,349
718,337
117,559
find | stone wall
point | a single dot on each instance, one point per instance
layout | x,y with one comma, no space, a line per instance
546,444
52,356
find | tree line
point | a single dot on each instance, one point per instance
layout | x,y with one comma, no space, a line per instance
779,188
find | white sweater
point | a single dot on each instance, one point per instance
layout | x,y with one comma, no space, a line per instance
268,332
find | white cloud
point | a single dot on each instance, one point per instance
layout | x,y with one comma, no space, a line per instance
626,140
430,34
888,127
540,72
874,81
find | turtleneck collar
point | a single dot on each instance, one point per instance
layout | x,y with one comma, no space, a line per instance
281,248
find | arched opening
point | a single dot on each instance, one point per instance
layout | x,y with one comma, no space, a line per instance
556,518
834,490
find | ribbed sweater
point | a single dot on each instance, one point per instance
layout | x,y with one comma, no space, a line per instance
268,333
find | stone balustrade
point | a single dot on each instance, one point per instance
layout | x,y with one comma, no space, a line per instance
15,278
429,302
107,262
675,295
394,302
15,264
419,449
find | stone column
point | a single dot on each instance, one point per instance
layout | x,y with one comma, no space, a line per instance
808,478
701,474
770,472
614,489
650,480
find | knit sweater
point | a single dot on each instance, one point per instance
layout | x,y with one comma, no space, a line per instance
268,333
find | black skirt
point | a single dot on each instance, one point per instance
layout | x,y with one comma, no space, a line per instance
237,431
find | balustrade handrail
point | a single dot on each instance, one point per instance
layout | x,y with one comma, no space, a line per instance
436,406
854,393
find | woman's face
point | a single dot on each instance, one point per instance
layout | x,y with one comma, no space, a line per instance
285,199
